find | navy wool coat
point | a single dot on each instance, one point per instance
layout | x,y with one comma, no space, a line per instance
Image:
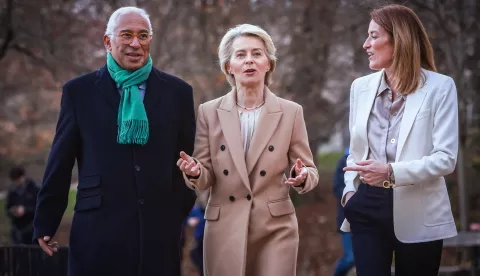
131,199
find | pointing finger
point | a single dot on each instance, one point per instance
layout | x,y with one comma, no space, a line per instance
185,156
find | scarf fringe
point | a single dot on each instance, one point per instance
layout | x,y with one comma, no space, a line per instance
133,132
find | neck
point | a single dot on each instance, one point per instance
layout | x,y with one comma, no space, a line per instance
388,75
250,97
392,87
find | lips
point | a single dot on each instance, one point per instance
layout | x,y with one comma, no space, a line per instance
133,55
249,71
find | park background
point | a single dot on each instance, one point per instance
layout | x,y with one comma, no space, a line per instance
44,43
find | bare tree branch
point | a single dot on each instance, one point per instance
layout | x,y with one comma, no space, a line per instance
9,34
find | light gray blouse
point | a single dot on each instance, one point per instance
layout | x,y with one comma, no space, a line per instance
248,122
384,124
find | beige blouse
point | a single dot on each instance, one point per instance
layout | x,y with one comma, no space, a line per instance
248,121
384,124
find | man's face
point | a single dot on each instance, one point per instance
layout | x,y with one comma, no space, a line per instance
130,42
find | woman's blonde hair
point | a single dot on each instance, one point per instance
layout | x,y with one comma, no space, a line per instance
412,50
225,50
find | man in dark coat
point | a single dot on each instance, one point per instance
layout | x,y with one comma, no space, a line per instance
124,125
20,207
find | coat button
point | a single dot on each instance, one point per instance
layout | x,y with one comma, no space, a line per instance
222,147
225,172
232,198
249,197
271,148
137,168
263,173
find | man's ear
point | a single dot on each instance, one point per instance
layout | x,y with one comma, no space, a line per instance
107,42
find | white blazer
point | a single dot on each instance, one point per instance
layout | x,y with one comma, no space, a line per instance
426,152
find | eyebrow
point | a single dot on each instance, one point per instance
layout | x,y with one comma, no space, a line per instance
130,31
254,49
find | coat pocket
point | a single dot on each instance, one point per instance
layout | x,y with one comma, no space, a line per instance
88,186
212,212
281,207
436,205
88,203
88,182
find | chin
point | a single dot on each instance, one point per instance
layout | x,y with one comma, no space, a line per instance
250,83
374,67
133,67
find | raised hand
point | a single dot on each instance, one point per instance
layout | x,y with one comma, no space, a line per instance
188,165
300,172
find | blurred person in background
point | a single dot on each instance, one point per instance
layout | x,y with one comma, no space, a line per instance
404,141
124,124
196,219
20,205
245,142
345,263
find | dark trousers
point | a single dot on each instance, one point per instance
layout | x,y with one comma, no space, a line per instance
370,213
22,236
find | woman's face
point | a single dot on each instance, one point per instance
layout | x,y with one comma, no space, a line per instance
249,62
379,47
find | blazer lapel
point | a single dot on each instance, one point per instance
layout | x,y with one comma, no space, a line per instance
108,88
155,85
412,106
230,124
267,123
365,101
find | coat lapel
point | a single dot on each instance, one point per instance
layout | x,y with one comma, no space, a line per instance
230,124
155,85
412,106
365,101
267,123
108,88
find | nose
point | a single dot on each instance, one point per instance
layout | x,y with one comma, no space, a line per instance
366,44
249,59
135,42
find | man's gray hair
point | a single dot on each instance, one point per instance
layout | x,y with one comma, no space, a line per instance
225,50
116,15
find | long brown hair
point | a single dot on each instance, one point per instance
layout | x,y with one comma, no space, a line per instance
412,50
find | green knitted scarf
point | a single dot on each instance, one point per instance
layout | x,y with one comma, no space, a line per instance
132,117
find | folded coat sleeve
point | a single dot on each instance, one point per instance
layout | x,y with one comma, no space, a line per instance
202,156
300,149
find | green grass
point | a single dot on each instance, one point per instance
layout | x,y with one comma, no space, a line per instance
4,224
328,161
71,203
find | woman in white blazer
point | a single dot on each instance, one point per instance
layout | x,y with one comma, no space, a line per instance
404,140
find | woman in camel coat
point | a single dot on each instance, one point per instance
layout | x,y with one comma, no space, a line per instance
245,143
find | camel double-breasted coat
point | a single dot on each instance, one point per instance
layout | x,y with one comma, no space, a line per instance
251,227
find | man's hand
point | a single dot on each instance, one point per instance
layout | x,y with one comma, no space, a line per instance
371,172
48,247
301,174
20,211
17,211
193,222
188,165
